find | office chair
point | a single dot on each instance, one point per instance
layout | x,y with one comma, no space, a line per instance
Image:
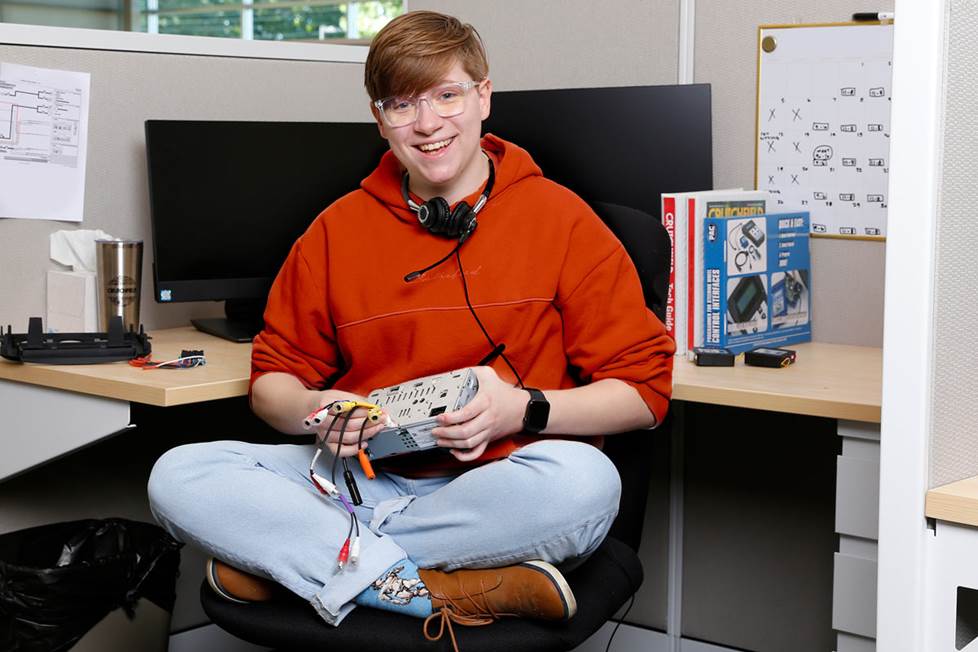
601,585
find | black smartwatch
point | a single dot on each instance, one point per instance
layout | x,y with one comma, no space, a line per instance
537,411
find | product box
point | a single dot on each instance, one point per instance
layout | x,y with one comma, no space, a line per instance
682,216
699,206
757,281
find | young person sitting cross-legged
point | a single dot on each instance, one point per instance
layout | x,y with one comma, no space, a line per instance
483,530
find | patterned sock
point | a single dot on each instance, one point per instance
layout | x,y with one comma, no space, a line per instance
399,589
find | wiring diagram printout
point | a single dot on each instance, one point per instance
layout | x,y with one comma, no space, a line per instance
43,142
823,125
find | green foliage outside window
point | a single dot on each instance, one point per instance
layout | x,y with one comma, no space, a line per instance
310,21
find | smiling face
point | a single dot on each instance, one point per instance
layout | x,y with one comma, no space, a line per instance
442,155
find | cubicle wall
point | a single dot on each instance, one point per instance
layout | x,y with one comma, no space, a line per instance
954,444
127,89
573,43
929,411
847,275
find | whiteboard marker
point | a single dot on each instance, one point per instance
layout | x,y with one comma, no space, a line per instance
873,15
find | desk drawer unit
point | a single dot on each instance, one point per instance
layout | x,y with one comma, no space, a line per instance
41,424
857,524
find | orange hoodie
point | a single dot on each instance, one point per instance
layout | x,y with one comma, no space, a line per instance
545,275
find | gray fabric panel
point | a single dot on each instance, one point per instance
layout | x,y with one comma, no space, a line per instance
573,43
954,446
129,88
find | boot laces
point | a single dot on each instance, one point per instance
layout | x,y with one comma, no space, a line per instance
455,611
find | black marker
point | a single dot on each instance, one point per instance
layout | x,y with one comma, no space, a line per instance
872,16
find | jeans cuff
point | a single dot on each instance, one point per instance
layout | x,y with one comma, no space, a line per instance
335,601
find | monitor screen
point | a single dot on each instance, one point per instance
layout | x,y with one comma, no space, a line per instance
621,145
228,199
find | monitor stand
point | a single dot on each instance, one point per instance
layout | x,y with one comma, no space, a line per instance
242,323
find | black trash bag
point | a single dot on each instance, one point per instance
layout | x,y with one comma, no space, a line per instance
58,581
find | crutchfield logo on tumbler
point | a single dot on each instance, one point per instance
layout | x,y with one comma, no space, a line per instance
121,290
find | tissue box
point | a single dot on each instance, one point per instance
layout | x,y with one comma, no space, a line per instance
72,303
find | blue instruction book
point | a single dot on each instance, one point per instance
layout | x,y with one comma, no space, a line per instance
757,281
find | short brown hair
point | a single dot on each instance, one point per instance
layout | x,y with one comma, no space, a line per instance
416,49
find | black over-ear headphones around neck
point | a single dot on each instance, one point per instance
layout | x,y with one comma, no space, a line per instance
439,218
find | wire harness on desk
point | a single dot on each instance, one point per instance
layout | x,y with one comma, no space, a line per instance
187,360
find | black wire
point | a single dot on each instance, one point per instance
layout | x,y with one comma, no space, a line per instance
354,524
322,442
618,624
492,343
363,426
336,456
346,467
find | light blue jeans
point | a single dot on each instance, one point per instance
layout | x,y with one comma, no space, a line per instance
253,506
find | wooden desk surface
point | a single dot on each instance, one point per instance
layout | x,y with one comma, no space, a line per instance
956,502
225,374
828,380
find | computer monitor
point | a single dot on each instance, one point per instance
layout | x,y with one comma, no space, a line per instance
621,145
228,200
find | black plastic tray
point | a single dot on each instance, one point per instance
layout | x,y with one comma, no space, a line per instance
74,348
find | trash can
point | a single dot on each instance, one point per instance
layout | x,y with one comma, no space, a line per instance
102,585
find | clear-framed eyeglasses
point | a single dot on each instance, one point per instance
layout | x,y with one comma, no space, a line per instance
446,100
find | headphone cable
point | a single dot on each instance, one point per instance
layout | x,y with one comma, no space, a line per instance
492,343
417,274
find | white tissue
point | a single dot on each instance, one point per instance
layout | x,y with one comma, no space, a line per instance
72,302
76,249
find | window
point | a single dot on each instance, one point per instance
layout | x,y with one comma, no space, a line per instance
268,20
93,14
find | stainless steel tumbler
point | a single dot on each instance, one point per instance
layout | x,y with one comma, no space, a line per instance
119,265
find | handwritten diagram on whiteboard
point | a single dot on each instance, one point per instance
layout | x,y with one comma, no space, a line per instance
43,140
823,124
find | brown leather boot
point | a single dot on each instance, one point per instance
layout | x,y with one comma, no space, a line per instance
533,589
237,585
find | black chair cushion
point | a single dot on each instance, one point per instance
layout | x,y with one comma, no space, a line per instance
601,586
648,245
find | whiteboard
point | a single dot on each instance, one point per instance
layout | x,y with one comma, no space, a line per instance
823,124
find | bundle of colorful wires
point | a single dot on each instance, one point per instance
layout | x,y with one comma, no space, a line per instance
186,360
350,551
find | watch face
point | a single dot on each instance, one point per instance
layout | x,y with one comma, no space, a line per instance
537,414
